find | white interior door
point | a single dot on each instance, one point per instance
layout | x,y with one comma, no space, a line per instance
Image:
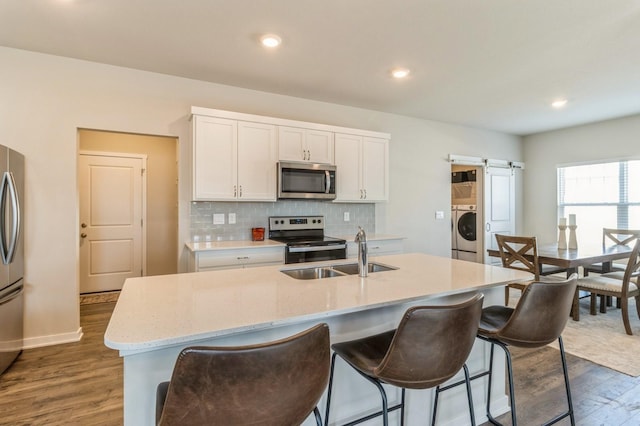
499,207
111,226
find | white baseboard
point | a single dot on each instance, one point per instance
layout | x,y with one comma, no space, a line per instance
54,339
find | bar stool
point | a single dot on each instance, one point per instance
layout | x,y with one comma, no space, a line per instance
430,345
276,383
537,320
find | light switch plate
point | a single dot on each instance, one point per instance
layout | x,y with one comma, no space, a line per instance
347,217
232,218
218,218
439,214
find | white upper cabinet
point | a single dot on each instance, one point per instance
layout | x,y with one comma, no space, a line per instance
257,157
233,160
362,168
235,156
306,145
215,158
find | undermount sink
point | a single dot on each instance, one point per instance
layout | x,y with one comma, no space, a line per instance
318,272
352,268
312,273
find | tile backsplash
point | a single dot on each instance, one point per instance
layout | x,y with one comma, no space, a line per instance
249,215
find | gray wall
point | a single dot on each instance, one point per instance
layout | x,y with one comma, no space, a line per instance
607,140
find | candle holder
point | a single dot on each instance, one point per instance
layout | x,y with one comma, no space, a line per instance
573,241
562,237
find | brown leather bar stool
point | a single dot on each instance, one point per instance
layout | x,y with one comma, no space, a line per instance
537,320
429,347
276,383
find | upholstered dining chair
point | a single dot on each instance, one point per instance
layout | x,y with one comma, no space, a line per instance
429,347
521,253
270,384
611,236
610,285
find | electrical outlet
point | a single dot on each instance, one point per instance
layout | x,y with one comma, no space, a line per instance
232,218
347,217
218,218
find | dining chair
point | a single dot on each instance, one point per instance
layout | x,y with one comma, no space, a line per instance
611,236
521,253
269,384
609,285
430,346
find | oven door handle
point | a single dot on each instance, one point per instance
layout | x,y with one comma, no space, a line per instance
293,249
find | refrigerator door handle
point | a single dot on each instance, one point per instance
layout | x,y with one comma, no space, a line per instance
12,295
8,253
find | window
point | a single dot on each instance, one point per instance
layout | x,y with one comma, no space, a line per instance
605,195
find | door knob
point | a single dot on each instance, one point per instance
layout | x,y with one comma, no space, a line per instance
84,225
83,235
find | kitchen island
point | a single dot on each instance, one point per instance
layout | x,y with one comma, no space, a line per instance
156,317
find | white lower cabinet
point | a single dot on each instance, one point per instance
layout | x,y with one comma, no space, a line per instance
212,260
377,247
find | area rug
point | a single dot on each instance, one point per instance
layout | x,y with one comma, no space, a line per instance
601,338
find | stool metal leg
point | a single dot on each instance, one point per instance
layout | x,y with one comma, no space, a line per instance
489,373
469,395
565,371
385,408
326,413
467,382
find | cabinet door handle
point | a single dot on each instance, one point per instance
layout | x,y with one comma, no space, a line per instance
308,155
235,191
365,194
240,190
243,257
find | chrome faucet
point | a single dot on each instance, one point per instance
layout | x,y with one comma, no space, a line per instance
363,256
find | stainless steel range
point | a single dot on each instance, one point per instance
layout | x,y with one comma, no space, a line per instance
305,239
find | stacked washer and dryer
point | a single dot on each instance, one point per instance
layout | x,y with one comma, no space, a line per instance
464,241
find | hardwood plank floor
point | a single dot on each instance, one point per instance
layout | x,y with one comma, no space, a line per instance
71,384
81,384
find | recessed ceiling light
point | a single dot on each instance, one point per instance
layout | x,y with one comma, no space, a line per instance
270,40
559,103
400,72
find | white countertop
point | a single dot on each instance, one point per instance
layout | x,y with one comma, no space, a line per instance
160,311
227,245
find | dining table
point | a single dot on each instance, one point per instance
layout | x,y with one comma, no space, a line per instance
572,259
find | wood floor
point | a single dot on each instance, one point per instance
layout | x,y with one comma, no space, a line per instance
81,384
72,384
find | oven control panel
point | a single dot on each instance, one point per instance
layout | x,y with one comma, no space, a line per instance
286,223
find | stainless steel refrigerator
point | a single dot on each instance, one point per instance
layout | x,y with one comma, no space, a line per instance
12,256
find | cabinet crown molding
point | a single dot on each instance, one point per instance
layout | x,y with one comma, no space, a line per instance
284,122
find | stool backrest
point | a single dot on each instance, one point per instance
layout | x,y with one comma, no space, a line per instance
519,253
431,344
276,383
541,313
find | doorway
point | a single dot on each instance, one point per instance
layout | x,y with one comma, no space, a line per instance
161,198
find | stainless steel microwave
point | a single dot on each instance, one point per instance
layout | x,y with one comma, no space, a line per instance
306,181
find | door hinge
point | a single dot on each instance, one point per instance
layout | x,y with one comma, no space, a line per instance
142,172
141,223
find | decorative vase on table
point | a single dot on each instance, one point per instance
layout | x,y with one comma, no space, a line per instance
562,237
562,233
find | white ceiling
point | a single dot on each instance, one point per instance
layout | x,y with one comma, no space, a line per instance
494,64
